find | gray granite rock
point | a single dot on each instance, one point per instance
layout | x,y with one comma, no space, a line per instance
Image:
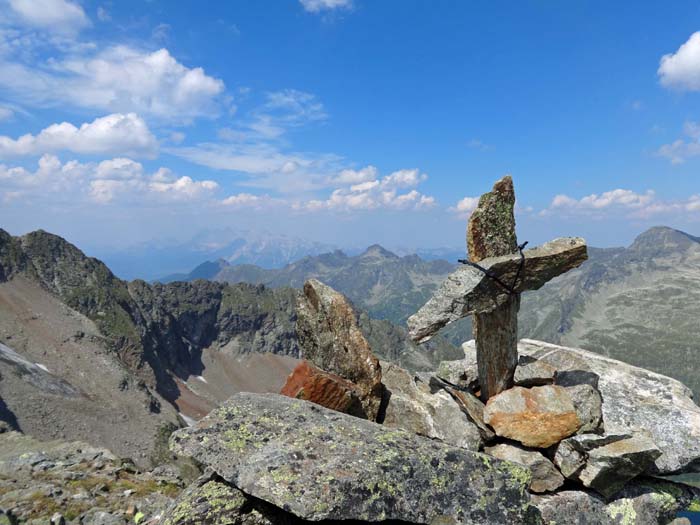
320,464
531,372
589,407
609,467
545,476
634,399
468,290
411,406
571,454
473,408
462,372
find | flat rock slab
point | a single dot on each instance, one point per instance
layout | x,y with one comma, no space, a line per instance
320,464
331,339
536,417
323,388
545,476
634,400
468,290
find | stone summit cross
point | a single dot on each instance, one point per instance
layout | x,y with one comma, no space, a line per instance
490,290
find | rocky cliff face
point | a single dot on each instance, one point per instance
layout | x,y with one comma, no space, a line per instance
157,331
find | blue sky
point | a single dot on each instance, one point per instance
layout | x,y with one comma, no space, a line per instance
346,121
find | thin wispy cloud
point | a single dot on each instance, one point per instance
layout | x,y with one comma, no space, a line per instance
317,6
683,149
621,203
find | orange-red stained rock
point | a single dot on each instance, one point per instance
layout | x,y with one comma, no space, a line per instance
536,417
323,388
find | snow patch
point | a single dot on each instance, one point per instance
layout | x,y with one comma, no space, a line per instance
43,367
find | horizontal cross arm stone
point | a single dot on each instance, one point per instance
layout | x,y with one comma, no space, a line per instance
468,290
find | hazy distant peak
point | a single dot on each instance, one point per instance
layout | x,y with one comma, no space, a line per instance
377,251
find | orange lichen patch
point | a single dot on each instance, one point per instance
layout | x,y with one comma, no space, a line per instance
329,390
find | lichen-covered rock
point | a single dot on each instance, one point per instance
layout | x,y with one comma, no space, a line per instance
468,290
536,417
640,503
212,501
530,372
634,399
323,388
545,476
330,338
411,406
320,464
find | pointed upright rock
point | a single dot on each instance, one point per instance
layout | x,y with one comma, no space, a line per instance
330,338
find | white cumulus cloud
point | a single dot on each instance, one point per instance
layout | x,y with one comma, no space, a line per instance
117,79
681,70
465,206
125,134
104,182
380,193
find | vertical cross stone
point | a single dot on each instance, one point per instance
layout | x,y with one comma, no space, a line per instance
491,233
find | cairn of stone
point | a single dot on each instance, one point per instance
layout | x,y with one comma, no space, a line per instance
490,291
517,432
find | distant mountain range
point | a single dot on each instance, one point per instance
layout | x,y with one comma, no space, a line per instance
640,304
153,260
85,355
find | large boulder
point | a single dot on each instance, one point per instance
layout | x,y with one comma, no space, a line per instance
320,464
331,339
411,406
634,400
536,417
545,476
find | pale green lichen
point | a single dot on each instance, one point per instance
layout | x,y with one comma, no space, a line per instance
623,510
694,506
